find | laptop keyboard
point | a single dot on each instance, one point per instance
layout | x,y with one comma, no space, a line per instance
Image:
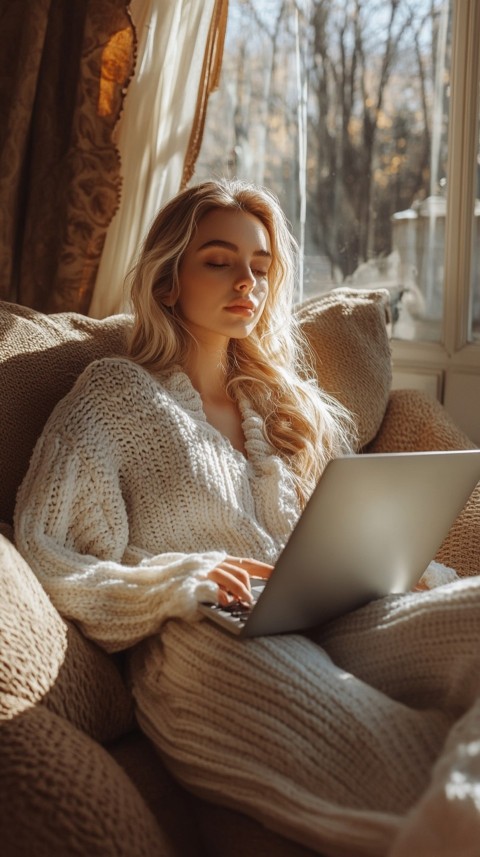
238,611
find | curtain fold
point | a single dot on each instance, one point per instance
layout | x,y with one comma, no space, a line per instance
210,80
64,72
180,45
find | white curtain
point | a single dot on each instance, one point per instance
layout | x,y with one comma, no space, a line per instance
154,131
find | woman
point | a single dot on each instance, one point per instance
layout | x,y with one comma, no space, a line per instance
169,477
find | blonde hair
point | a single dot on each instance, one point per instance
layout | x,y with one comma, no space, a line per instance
271,366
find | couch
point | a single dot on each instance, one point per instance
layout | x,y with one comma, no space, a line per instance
76,775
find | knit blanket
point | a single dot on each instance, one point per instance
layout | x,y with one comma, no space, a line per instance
362,740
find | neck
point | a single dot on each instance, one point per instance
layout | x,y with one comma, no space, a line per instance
206,368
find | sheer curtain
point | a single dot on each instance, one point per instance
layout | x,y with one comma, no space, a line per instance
179,47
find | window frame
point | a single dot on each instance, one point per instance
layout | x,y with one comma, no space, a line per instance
462,157
438,365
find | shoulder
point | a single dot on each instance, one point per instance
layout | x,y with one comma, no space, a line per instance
112,373
116,383
106,392
114,377
114,397
120,390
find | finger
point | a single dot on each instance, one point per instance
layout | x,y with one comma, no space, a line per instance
231,583
223,597
254,567
233,566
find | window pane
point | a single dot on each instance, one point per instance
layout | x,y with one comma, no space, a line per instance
475,325
341,107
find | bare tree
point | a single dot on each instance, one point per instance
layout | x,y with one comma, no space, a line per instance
349,80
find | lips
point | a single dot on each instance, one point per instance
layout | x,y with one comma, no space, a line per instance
240,310
240,305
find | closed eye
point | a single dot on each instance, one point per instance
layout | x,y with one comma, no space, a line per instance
255,271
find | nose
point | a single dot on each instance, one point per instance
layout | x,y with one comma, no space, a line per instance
245,281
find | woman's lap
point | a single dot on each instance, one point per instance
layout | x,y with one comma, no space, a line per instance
421,648
284,731
280,704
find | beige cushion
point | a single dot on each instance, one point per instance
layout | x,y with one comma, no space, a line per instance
347,331
40,358
415,421
62,795
47,660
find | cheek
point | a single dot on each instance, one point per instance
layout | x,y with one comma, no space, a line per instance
262,293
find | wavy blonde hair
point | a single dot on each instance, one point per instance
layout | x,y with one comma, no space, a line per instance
271,366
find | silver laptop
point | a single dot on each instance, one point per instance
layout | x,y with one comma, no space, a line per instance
371,527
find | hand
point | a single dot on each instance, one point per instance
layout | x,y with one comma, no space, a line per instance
233,578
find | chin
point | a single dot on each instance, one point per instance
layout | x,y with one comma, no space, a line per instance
242,334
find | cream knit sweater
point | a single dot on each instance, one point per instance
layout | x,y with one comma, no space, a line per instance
132,497
360,740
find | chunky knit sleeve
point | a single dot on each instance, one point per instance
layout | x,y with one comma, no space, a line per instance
71,526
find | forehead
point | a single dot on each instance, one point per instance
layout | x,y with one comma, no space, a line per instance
233,226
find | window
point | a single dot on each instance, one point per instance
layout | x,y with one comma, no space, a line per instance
363,117
343,109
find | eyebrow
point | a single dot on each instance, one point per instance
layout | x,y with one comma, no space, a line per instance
229,246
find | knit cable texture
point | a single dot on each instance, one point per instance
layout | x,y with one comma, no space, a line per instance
132,497
361,741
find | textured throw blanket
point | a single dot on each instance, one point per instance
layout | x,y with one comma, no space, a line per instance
383,760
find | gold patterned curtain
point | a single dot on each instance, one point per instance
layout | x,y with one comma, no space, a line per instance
64,70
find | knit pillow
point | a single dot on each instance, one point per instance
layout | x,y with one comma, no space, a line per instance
347,332
40,358
415,421
62,795
47,660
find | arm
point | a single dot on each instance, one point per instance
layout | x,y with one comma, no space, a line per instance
71,526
